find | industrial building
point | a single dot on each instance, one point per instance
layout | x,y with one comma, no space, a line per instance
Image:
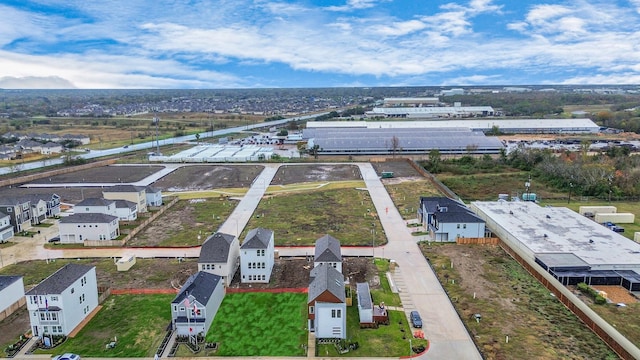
507,126
571,247
431,112
410,141
411,101
217,153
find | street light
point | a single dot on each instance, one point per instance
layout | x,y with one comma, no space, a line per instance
570,188
373,238
527,185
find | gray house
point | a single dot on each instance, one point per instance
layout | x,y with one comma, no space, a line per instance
328,252
196,305
19,211
154,196
220,255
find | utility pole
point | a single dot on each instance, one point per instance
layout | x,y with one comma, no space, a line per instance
527,185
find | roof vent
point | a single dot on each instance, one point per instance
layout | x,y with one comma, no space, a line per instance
590,241
548,217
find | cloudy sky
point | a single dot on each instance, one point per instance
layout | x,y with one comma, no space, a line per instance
91,44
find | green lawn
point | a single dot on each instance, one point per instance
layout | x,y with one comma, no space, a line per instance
302,218
384,295
138,322
260,324
406,196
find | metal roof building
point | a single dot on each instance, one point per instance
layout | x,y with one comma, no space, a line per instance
374,141
432,111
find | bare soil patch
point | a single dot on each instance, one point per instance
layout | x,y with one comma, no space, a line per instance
617,294
400,169
67,195
293,174
205,177
105,174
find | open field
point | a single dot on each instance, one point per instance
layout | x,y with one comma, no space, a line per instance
105,174
207,177
260,324
293,174
302,218
399,167
138,322
485,280
406,195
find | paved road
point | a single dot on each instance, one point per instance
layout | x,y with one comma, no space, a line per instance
419,287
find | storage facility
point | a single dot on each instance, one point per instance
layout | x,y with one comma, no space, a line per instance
217,153
431,112
622,218
593,210
569,246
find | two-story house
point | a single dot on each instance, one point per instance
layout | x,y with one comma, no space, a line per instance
95,205
77,228
154,196
196,305
19,211
6,229
60,302
446,219
126,210
326,306
38,209
220,255
257,256
131,193
11,294
327,251
53,203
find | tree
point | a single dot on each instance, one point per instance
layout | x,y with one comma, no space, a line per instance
197,138
395,145
435,160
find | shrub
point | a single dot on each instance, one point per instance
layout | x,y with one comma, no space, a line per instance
600,300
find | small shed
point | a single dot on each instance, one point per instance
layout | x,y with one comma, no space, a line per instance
371,315
125,263
387,174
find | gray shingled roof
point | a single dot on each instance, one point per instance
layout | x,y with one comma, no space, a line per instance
326,278
199,285
151,189
123,188
364,296
95,202
121,204
257,238
216,248
456,212
6,280
83,218
61,279
328,249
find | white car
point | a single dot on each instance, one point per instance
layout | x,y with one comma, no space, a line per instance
67,356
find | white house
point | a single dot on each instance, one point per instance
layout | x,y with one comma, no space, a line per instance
196,305
95,205
52,200
77,228
11,294
38,209
60,302
154,196
6,229
256,256
327,251
326,306
132,193
447,219
220,255
126,210
51,148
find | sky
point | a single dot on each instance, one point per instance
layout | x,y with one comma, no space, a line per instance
209,44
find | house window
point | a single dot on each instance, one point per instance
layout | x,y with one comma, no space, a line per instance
72,290
336,313
339,313
46,329
264,277
42,316
181,308
311,309
59,329
464,226
262,265
333,313
54,298
87,209
458,226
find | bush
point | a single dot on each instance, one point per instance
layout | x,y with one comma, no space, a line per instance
600,300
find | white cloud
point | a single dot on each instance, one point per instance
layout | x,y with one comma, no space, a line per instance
353,5
34,82
399,28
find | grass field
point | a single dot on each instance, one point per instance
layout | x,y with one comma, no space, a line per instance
384,294
511,302
406,196
301,218
138,322
260,324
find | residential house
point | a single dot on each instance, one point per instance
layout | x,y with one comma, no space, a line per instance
132,193
7,152
257,256
370,314
220,255
196,305
38,209
53,203
63,300
51,148
82,139
11,295
29,146
96,205
447,219
327,251
6,229
126,210
19,211
154,196
77,228
327,309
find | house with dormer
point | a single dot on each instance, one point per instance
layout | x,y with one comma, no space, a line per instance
197,303
257,256
326,305
62,301
220,255
327,251
446,219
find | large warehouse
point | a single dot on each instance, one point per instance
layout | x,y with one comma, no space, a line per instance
507,126
569,246
431,112
410,141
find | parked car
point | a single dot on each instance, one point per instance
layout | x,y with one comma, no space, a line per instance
67,356
416,320
55,239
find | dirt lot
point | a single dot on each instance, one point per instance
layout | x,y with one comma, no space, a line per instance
293,174
400,169
204,177
105,174
67,195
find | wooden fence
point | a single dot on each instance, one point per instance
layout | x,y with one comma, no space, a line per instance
133,232
478,241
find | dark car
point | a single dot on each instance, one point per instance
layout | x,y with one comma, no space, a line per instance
54,240
416,320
